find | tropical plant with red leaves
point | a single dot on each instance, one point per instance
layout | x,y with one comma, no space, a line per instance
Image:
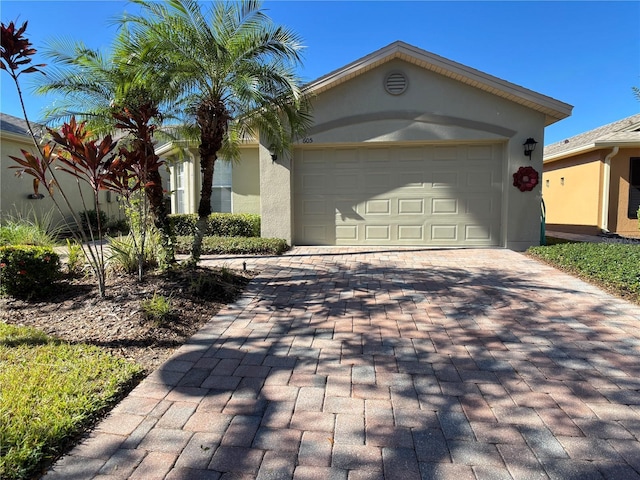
16,50
112,93
15,53
137,119
36,166
84,158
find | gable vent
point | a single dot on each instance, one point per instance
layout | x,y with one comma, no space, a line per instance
395,83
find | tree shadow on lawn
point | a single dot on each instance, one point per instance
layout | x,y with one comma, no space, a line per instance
400,373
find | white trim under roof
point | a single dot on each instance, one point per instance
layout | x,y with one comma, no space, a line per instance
618,139
553,109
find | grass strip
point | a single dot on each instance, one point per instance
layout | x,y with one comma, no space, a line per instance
50,391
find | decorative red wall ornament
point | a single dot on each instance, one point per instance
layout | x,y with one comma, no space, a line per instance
526,178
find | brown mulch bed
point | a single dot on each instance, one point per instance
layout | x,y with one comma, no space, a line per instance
76,313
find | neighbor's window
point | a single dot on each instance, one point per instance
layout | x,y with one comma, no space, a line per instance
178,187
634,187
221,190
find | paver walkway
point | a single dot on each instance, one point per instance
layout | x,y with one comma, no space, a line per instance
389,364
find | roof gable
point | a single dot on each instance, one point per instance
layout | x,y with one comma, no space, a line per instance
625,132
554,110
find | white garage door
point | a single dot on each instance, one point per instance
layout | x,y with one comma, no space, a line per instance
426,195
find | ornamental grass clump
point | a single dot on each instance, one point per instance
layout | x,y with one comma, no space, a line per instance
158,309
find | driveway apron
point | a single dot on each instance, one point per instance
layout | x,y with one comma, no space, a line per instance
348,363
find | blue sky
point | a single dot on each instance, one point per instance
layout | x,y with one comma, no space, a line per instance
585,53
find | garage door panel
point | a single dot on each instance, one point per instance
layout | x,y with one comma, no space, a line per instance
447,233
427,195
411,233
317,234
377,232
314,183
444,179
409,179
411,206
377,182
346,182
378,207
477,232
445,153
314,207
444,206
346,233
478,180
481,206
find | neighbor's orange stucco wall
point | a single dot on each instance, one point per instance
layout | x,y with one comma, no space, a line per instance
619,222
571,189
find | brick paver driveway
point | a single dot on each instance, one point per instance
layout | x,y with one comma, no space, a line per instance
389,364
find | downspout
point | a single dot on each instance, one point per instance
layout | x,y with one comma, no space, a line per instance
606,180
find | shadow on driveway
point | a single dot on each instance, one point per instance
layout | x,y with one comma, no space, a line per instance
390,365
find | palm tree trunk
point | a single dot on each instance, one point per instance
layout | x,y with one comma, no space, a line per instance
212,119
204,208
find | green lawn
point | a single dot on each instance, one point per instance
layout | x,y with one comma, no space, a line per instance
49,392
615,267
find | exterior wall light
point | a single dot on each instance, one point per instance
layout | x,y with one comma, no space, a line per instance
529,147
272,152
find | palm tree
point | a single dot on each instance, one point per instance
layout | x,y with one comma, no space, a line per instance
109,93
236,69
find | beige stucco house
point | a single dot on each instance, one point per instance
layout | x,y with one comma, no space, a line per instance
407,148
591,182
16,193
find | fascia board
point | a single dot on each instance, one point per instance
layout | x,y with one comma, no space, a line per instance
618,143
15,137
570,153
631,143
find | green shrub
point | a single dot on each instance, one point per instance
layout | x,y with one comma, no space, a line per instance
184,224
235,246
89,220
118,227
219,224
615,266
28,271
233,225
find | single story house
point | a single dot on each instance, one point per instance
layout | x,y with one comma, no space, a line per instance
591,182
407,148
17,196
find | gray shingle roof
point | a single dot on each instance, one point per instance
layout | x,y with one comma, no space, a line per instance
9,123
624,130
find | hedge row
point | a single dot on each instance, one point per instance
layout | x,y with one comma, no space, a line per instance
27,270
234,245
219,225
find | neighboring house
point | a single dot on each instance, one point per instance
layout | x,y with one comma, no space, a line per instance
591,182
16,193
407,148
